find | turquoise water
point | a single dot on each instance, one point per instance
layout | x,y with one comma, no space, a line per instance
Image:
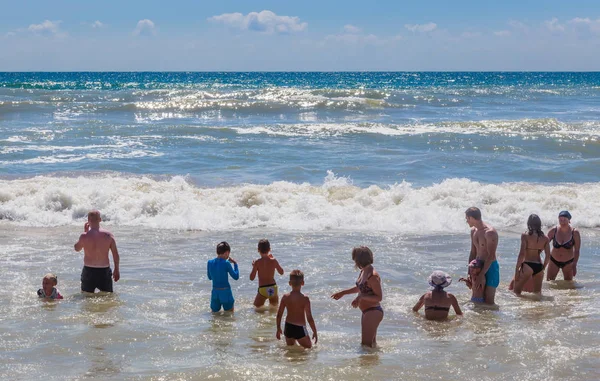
317,163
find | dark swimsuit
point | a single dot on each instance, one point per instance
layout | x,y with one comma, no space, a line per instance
365,289
566,245
536,267
437,308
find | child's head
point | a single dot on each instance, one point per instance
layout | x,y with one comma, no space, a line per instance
264,246
223,249
439,280
362,256
296,278
50,280
475,267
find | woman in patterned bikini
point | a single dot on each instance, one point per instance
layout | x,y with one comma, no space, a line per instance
368,287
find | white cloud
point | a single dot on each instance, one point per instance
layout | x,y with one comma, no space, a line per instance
264,21
97,24
554,26
593,25
421,27
471,34
47,26
351,29
502,33
144,26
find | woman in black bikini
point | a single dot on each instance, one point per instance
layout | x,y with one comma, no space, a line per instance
529,262
566,242
368,287
437,302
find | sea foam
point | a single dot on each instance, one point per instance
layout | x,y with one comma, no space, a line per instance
336,204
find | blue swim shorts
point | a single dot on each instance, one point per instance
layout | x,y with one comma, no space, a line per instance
220,298
492,277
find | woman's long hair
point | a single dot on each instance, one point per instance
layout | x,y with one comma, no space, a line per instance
534,225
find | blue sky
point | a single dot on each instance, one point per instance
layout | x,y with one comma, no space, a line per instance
299,35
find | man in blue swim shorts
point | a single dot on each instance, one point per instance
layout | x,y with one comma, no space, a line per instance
484,241
217,270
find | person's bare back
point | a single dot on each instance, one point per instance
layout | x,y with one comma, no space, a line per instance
265,268
96,243
298,313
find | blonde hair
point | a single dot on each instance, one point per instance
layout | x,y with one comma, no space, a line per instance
362,256
52,277
296,277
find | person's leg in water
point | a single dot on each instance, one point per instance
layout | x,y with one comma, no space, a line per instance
259,300
551,271
568,271
524,275
369,323
305,342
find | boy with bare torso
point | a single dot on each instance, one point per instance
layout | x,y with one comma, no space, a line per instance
265,266
298,312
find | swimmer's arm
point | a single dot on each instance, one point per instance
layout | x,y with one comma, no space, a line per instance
310,319
282,304
79,244
546,254
338,295
278,267
455,305
208,270
473,253
521,257
254,270
419,304
491,243
116,259
577,239
233,271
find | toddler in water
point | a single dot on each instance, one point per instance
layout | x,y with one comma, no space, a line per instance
265,266
298,307
48,290
475,268
217,270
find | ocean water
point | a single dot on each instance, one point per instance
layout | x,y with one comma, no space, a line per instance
317,163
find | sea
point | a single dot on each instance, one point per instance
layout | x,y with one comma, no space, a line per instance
317,163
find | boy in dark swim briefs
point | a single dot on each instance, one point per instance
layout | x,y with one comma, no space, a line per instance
298,311
265,266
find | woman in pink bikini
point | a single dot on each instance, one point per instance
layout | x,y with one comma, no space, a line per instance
368,287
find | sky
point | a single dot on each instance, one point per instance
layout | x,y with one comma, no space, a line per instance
308,35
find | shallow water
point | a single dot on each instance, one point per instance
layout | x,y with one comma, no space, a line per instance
157,325
317,163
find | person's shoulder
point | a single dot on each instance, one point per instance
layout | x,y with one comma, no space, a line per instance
491,233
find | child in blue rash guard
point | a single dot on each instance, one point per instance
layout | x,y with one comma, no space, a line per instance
217,270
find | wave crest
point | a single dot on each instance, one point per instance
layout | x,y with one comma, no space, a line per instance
337,204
